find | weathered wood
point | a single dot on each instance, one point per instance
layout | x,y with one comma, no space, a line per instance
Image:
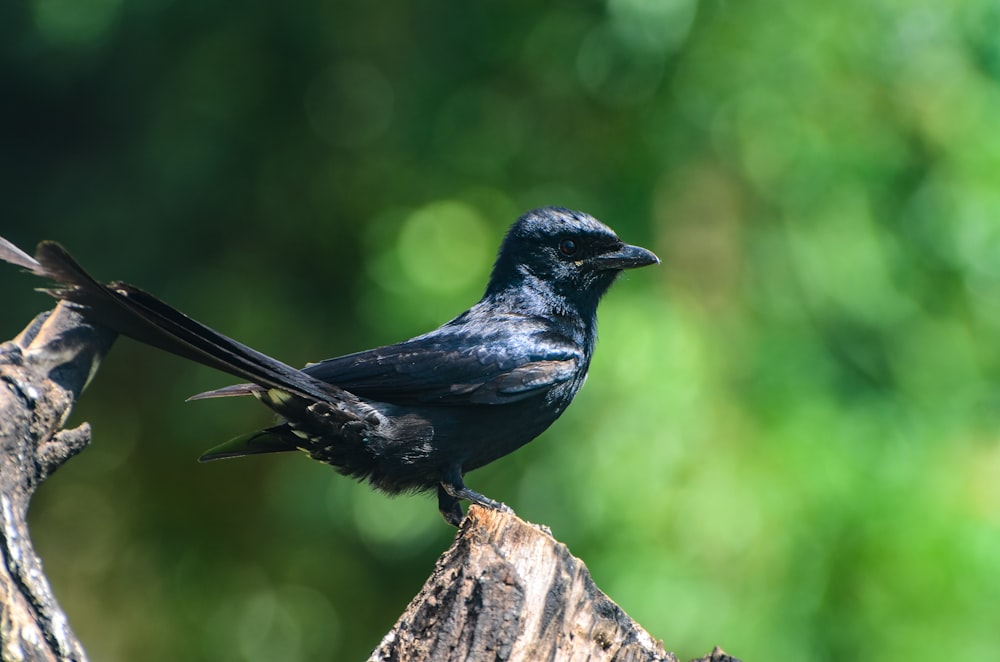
717,655
508,590
42,372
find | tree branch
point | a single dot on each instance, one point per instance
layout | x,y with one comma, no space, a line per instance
42,372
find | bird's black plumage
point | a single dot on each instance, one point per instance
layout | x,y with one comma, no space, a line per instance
419,414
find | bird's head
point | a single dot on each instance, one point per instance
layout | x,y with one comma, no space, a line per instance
568,253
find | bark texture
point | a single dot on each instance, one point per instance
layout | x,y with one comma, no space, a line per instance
508,590
42,372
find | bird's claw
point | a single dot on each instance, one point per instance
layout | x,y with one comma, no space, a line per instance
449,495
502,507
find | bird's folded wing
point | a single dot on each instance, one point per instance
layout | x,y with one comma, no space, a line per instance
439,370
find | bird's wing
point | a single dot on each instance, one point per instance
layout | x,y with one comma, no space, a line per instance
454,369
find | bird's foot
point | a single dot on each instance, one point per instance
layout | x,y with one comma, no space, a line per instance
453,490
484,501
462,492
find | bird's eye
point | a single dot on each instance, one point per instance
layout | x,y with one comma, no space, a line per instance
567,247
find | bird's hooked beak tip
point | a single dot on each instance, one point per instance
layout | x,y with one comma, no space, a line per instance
653,259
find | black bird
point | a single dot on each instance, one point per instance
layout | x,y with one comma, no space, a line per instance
420,414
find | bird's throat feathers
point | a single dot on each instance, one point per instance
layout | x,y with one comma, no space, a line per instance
574,311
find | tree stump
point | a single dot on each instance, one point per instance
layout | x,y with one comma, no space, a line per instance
508,590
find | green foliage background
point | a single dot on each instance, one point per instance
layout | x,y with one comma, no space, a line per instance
790,442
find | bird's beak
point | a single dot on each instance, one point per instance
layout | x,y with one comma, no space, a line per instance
625,257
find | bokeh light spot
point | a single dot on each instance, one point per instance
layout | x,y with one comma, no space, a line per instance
444,246
615,73
655,26
75,22
281,623
394,528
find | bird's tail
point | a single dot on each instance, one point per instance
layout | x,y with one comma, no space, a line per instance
277,439
139,315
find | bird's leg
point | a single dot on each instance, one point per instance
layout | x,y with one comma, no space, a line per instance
451,509
454,487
